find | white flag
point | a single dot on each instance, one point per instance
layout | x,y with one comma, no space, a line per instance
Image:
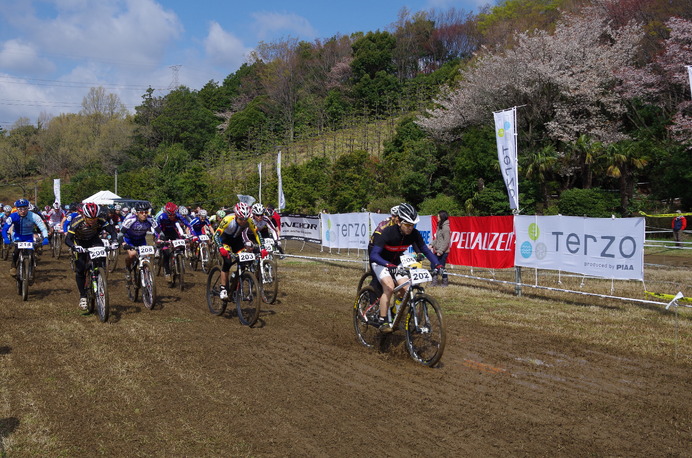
56,189
689,71
282,198
259,167
506,136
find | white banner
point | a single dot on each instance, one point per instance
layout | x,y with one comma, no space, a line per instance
281,197
56,189
301,227
601,247
689,73
259,170
506,137
424,226
345,230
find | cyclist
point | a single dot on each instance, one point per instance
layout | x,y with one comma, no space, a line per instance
133,233
22,223
124,212
391,221
169,226
73,213
200,225
265,225
233,236
84,233
386,252
184,214
55,216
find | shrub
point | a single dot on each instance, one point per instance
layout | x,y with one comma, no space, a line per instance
593,202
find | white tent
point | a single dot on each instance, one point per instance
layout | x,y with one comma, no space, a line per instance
102,198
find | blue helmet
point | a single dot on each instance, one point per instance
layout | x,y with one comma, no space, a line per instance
21,203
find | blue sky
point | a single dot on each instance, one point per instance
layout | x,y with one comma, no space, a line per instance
53,51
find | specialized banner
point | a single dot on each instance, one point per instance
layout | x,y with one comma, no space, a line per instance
56,189
301,227
481,241
345,230
506,137
602,247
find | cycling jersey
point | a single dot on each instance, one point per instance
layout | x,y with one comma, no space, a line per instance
23,227
170,227
135,231
266,227
197,226
391,244
234,235
86,235
68,221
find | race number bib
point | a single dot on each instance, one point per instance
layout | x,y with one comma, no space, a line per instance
420,276
25,245
203,238
246,257
269,244
97,252
145,250
178,242
407,260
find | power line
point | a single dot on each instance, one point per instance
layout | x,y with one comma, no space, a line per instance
73,84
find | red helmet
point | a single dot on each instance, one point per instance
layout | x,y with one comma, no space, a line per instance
90,210
170,208
242,210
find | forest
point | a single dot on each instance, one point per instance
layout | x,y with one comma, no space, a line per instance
404,114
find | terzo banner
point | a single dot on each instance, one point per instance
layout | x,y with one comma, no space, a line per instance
301,227
481,241
345,230
602,247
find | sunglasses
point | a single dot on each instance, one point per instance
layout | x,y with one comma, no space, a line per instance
407,224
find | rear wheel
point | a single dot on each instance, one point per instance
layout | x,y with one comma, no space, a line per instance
102,302
204,257
91,294
112,260
366,310
365,279
425,331
247,299
148,287
214,302
133,285
269,281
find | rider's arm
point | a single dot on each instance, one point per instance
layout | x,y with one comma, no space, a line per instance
38,221
426,251
108,227
376,256
6,228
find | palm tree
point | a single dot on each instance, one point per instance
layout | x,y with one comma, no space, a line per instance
622,160
538,165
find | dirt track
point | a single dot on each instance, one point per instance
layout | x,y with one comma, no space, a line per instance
178,381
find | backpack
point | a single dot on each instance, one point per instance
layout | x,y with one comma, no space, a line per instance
677,224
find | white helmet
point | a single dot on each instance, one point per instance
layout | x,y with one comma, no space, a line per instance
258,209
183,211
202,213
408,214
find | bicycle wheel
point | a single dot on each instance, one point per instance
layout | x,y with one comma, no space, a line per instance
425,331
112,260
214,302
194,261
148,287
269,281
24,275
365,279
179,271
91,294
247,299
133,285
102,302
204,257
53,243
366,310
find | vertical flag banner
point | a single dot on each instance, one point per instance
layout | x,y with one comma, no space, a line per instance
506,136
259,168
689,72
281,197
56,189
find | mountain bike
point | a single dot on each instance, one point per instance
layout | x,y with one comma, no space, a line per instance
418,314
242,289
266,272
201,255
176,261
26,266
95,282
112,255
56,241
142,277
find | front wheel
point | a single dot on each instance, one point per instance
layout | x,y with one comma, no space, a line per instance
366,311
247,299
270,281
101,293
179,271
112,260
204,257
425,331
148,287
214,302
25,275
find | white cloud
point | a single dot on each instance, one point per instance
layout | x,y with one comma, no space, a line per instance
271,25
223,48
19,56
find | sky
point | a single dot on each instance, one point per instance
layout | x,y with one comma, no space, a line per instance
53,51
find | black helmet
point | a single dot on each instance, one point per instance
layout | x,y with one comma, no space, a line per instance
141,206
408,214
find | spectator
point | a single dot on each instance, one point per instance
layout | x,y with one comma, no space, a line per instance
678,224
441,244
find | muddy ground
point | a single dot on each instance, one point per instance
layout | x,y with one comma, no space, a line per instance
178,381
